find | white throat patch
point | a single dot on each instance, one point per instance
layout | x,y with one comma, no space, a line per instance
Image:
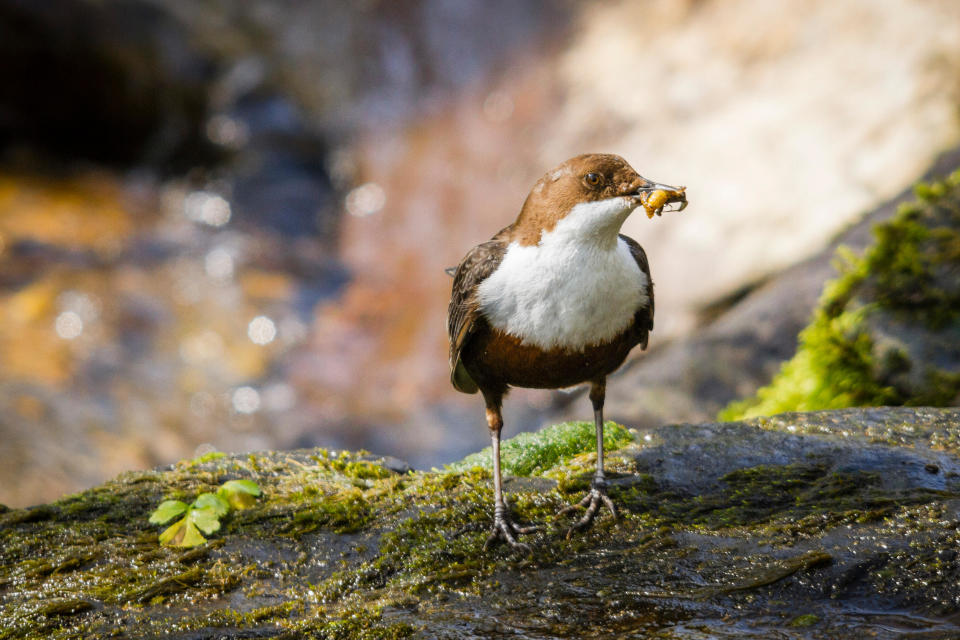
579,286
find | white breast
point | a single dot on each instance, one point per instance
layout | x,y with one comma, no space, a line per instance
564,292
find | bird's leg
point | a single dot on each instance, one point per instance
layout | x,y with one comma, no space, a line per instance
503,527
598,487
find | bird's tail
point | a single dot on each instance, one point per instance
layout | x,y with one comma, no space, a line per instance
461,380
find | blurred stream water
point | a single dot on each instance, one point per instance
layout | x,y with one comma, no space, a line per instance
172,277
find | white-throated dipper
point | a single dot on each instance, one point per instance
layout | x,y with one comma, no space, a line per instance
556,299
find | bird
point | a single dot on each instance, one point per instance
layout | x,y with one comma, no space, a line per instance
556,299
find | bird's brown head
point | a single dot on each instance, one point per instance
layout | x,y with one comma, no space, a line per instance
594,193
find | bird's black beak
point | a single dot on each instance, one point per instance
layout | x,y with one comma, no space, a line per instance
655,196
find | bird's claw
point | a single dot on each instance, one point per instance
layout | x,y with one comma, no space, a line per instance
505,529
591,502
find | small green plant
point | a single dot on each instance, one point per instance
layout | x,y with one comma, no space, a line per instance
203,516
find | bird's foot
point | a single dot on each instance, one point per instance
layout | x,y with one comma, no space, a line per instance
504,529
591,502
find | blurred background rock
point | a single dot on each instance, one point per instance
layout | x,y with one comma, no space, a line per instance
224,223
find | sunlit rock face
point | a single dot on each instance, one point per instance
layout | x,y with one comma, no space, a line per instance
784,124
887,331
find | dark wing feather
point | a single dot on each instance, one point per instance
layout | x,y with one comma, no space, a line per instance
643,319
463,312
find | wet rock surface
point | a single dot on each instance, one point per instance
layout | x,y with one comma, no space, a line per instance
804,525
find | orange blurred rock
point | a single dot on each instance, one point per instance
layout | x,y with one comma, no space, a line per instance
89,211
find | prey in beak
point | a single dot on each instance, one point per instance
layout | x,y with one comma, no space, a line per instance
654,197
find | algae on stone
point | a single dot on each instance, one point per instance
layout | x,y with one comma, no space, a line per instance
887,331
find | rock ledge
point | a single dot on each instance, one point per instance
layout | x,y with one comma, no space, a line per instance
805,525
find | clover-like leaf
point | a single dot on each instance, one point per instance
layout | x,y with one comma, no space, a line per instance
205,519
167,510
213,502
241,494
182,533
203,516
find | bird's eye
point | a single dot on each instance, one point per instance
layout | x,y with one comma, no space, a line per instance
593,179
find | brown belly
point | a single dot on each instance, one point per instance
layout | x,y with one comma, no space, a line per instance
494,359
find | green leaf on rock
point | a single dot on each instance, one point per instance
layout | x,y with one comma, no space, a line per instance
213,502
167,510
203,516
240,494
206,520
186,532
183,533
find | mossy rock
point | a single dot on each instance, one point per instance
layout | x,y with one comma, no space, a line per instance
771,526
887,331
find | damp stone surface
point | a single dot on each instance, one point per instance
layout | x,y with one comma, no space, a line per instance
802,525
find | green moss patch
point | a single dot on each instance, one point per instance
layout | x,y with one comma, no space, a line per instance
534,453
